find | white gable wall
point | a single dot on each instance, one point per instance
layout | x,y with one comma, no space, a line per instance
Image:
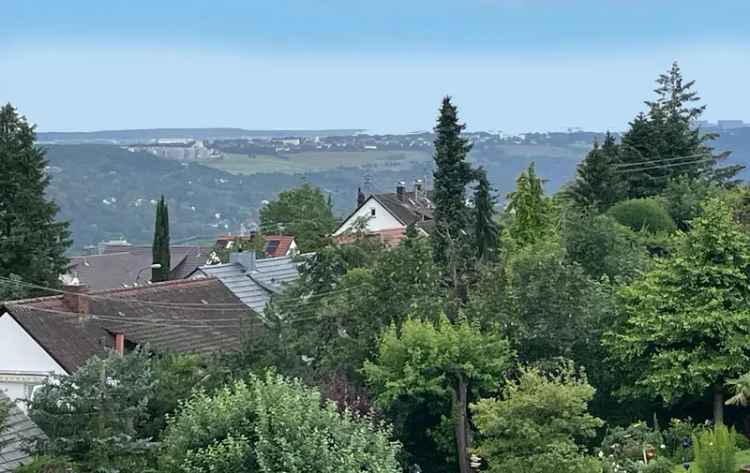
23,362
382,220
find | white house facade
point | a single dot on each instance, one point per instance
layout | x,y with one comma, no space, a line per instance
377,216
24,364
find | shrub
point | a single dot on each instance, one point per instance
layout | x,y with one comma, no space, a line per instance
622,447
273,424
643,214
676,433
603,247
715,450
534,426
48,464
659,465
741,441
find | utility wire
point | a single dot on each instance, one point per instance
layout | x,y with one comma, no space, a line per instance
203,307
627,165
634,170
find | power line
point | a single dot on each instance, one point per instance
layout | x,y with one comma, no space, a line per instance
627,165
626,171
196,306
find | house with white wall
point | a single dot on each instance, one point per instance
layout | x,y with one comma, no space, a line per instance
387,215
58,334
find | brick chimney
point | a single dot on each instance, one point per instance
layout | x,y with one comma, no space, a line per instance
360,197
401,191
75,297
120,344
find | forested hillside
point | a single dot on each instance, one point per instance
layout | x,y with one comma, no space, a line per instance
106,192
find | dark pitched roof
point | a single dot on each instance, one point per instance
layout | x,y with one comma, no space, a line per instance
117,270
15,434
409,210
169,316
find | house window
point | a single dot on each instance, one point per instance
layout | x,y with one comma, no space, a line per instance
372,212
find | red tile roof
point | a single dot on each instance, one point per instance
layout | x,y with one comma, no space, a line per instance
281,248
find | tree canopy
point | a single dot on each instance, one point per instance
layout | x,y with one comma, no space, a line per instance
302,212
273,424
685,326
32,241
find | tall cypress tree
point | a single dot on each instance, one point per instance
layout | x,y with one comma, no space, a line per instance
451,177
597,185
161,253
32,242
485,228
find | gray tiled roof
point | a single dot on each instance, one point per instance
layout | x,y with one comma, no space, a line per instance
255,288
15,434
116,270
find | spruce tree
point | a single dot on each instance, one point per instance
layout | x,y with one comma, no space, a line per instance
161,253
452,238
597,185
485,228
452,175
32,242
666,143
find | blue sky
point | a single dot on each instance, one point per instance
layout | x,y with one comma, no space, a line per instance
513,65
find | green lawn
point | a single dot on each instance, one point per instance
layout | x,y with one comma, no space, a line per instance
743,458
310,161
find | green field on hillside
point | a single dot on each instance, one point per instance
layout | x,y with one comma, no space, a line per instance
312,161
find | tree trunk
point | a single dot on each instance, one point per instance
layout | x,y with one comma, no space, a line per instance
718,405
460,404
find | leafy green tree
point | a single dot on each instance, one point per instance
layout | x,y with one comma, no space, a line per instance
685,326
665,143
530,211
647,214
93,415
452,175
335,330
534,426
684,197
160,249
32,243
303,213
273,424
597,185
486,230
603,247
439,359
177,376
541,293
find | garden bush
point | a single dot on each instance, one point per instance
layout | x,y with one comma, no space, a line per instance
643,214
715,450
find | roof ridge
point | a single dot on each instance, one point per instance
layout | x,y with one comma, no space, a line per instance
118,290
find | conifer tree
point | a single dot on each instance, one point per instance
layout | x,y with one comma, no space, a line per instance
530,209
32,242
666,143
597,185
485,228
161,253
452,176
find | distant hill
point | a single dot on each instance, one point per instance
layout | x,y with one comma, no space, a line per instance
106,191
145,135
